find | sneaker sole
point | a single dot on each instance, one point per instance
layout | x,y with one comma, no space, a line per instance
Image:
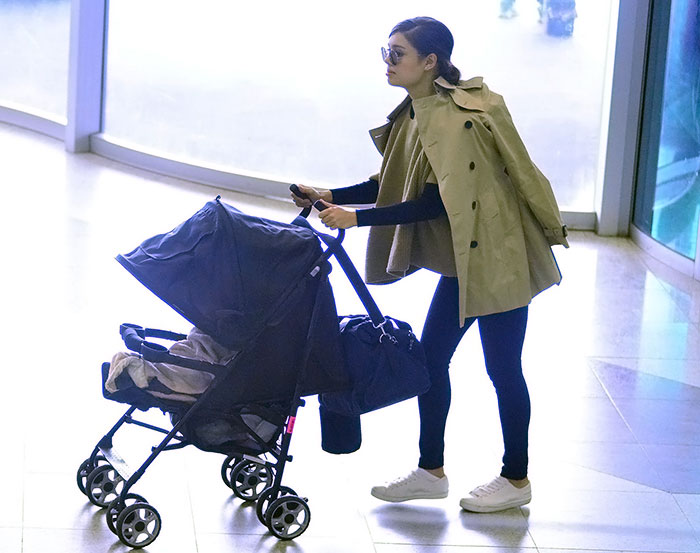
392,499
493,508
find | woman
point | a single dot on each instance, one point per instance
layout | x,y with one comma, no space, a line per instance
457,194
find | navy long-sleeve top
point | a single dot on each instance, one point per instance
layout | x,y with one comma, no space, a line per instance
427,206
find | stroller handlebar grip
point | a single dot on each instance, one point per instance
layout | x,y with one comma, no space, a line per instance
297,192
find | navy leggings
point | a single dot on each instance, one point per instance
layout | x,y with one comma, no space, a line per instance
502,336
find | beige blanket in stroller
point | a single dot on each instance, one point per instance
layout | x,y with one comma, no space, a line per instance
182,384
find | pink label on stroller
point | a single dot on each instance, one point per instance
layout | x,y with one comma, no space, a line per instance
290,424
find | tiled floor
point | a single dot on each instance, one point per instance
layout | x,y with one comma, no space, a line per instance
612,359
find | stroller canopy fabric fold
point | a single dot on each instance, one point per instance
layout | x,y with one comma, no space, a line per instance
224,271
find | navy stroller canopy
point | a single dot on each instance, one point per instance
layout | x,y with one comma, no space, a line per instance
224,271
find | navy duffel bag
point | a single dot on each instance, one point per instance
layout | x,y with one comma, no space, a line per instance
386,365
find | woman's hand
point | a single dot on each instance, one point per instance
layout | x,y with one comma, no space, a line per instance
313,196
336,217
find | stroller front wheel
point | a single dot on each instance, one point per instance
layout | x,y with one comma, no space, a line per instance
117,505
264,500
288,517
138,525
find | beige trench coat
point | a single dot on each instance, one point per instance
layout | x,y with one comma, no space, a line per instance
502,211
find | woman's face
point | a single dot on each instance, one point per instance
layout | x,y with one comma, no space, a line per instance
410,69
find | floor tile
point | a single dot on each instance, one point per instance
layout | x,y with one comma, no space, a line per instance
40,540
560,375
622,382
617,521
660,421
254,543
12,503
626,461
443,523
672,340
677,465
547,473
588,419
10,540
417,548
686,371
690,505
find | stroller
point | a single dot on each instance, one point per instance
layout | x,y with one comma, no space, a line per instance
259,288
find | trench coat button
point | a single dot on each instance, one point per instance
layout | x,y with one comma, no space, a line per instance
472,165
468,125
473,205
473,244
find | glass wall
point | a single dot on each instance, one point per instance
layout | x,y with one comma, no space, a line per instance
34,43
667,204
288,90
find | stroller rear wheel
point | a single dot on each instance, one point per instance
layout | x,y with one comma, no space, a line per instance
84,470
104,484
138,525
250,478
288,517
117,505
264,500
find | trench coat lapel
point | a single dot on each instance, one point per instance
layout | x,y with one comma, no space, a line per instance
380,135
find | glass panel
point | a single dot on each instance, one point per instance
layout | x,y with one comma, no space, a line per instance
274,90
677,198
34,44
668,202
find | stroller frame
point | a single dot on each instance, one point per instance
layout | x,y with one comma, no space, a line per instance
106,479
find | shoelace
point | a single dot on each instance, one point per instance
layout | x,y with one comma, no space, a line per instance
402,480
492,487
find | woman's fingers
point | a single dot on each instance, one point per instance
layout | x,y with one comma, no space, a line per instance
299,202
335,217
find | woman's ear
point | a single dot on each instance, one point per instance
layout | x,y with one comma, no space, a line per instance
430,62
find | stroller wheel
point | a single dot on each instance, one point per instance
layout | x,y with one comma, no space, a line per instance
117,505
288,517
84,470
264,501
226,468
250,478
104,485
138,525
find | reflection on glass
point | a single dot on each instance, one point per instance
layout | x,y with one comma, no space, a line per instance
34,43
268,88
676,204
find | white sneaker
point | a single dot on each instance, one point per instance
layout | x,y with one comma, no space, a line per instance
497,495
419,484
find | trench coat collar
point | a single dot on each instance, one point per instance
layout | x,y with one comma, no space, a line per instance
462,94
474,82
466,94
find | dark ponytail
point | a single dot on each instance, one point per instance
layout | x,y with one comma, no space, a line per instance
430,36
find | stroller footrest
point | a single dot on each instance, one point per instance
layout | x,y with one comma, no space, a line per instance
114,459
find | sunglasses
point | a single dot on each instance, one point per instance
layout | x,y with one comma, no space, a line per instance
392,57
